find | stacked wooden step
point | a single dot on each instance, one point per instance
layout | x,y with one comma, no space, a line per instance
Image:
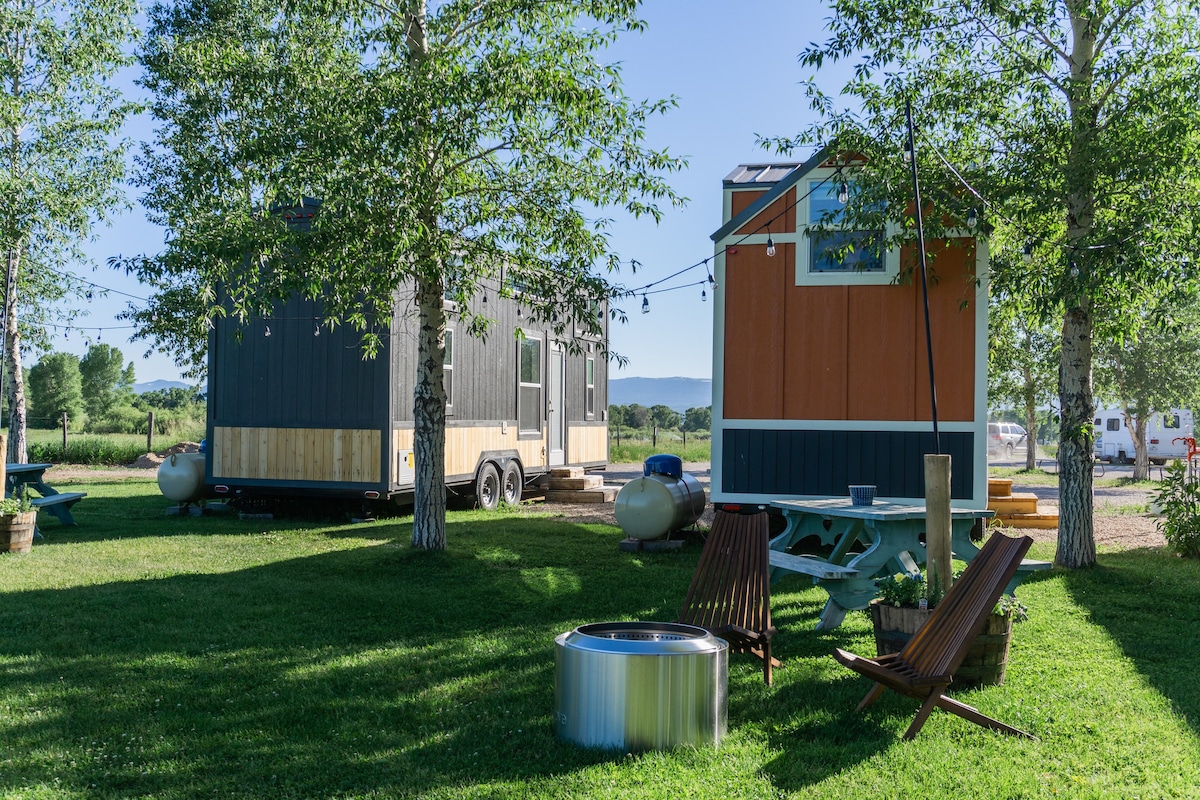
1019,509
573,485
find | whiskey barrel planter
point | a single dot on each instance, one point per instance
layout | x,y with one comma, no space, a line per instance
16,532
984,664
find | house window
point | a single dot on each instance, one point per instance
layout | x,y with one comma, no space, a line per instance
591,388
1114,424
838,257
448,371
529,392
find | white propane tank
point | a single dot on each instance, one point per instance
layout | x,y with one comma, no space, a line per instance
181,477
654,505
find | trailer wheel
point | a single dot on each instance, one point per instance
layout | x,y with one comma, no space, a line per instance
511,484
487,487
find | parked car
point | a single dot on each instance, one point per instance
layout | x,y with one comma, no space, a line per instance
1004,438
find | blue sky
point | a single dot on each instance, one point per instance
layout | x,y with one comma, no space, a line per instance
733,68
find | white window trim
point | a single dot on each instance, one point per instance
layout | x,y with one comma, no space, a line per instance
891,259
449,367
541,385
590,412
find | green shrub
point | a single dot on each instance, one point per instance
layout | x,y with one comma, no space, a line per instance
120,419
1179,498
87,450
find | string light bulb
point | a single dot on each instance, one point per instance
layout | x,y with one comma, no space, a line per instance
267,332
972,218
316,330
1027,250
703,295
908,152
843,192
645,304
770,246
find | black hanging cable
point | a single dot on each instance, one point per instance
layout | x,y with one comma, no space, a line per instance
912,147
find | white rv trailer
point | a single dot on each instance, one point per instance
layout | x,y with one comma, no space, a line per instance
1165,433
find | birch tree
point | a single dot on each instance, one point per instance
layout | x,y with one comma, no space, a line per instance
1073,123
451,144
60,166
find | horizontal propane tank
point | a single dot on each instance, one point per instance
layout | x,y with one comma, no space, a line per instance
664,499
181,477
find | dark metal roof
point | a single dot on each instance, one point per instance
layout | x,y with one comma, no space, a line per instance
780,177
760,174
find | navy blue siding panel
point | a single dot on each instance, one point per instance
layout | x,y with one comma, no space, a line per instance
799,463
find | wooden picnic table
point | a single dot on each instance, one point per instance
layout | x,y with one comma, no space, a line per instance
867,542
20,478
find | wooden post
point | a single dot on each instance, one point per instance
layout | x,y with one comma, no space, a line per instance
3,463
150,432
683,431
937,523
654,436
64,427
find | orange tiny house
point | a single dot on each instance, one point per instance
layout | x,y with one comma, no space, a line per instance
820,369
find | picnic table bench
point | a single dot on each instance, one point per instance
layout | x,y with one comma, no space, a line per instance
22,477
867,542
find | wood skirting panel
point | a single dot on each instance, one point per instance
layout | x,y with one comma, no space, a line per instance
464,443
296,454
587,444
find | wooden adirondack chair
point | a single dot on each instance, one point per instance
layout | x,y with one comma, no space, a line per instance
730,595
923,668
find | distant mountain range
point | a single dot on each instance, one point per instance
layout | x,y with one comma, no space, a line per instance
154,386
678,394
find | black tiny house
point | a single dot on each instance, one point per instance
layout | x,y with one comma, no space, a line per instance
294,408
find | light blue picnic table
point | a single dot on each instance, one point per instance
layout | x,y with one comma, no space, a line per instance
868,542
20,478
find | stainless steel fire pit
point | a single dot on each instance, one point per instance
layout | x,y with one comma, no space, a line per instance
640,685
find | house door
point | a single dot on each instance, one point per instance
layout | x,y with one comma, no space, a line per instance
555,408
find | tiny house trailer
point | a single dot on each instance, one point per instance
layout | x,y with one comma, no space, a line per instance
1165,434
295,409
820,371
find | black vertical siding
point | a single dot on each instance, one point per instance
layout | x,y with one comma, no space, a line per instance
826,462
293,378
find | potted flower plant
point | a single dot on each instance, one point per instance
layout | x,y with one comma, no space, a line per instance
17,520
902,604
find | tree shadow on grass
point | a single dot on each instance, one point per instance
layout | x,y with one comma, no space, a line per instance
1149,603
373,669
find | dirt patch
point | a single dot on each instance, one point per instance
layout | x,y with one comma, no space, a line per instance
1112,530
141,468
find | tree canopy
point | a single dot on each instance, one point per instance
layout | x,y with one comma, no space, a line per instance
453,151
1074,125
59,116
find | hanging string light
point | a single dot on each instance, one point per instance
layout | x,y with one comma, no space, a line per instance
843,195
703,295
770,243
1027,251
972,218
267,332
645,304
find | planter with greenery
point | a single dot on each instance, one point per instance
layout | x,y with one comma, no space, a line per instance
897,612
17,520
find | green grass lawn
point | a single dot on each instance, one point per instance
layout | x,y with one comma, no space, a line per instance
147,656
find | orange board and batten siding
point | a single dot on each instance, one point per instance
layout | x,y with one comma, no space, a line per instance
296,454
847,352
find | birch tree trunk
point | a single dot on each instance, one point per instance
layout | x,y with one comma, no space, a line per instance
1030,420
429,420
1076,534
429,394
1141,455
15,379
